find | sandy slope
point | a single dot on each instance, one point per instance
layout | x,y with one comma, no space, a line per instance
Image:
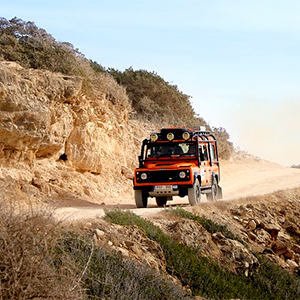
250,177
240,177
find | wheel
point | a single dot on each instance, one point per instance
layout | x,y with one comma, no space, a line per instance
213,196
194,194
161,201
141,200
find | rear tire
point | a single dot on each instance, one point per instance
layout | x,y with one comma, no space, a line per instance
194,193
161,201
213,196
141,200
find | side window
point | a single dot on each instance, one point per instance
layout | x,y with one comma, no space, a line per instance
203,152
212,151
149,150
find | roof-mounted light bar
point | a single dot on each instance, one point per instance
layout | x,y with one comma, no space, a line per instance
170,136
186,135
153,137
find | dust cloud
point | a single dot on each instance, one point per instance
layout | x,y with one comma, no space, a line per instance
269,130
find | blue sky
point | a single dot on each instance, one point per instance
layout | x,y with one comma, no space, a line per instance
239,60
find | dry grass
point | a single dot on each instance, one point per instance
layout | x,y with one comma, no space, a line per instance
31,265
42,260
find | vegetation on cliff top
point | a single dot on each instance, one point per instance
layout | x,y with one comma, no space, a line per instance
152,98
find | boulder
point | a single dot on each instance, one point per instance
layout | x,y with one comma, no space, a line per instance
235,255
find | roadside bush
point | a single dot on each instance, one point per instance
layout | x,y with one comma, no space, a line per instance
108,276
30,267
40,260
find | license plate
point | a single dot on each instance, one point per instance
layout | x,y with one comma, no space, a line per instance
163,188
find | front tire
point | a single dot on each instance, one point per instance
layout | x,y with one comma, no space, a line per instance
161,201
141,200
194,193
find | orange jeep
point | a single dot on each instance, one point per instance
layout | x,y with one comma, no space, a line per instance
177,161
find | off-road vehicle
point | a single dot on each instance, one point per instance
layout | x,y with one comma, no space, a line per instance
180,162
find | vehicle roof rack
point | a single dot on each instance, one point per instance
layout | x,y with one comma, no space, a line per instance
201,132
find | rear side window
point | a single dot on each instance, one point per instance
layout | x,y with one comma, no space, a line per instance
212,151
203,152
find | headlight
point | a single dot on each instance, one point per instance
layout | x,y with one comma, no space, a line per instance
153,137
182,174
144,176
170,136
185,135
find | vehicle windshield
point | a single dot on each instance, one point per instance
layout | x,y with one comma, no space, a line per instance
171,149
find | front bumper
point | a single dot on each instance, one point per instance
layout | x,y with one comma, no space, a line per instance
164,190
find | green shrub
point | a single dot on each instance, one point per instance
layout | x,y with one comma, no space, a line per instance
202,275
225,147
209,225
155,99
33,47
206,278
108,276
272,282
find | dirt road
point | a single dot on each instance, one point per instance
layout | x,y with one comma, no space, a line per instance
239,178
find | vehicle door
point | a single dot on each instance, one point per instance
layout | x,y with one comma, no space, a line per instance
206,168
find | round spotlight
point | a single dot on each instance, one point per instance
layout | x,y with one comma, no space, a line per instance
185,135
170,136
153,137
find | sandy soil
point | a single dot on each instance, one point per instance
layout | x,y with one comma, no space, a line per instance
239,178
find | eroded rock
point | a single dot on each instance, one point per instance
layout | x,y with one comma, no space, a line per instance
235,255
49,126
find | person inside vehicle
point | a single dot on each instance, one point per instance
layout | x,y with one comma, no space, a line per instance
166,151
178,151
192,150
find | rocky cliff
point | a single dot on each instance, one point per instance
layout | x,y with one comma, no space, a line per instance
62,140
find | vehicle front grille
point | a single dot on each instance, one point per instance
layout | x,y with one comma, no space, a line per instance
165,176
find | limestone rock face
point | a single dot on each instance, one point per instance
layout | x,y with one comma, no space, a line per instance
83,148
35,120
69,142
